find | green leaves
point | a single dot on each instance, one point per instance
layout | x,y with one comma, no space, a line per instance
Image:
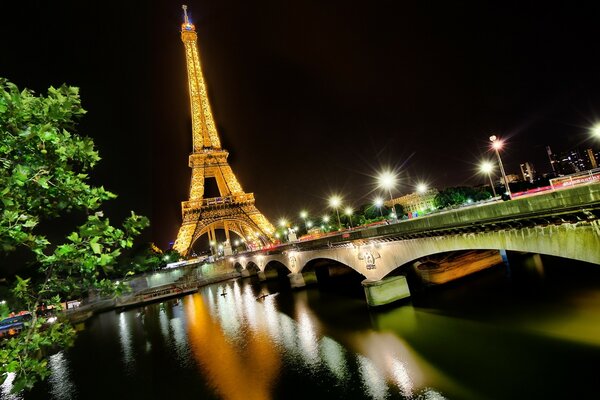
44,175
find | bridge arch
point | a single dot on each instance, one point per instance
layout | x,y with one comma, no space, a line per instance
553,240
252,268
275,269
334,275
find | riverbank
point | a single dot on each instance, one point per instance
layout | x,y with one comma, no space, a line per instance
99,305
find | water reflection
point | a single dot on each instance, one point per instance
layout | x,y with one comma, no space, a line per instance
467,341
242,341
334,358
246,372
61,386
125,339
6,387
372,380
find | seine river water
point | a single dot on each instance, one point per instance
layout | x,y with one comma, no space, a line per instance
527,331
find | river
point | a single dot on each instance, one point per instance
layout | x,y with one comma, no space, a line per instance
529,330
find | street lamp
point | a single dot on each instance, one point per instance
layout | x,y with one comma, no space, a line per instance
497,145
486,167
304,215
596,131
336,202
379,204
387,181
421,188
348,212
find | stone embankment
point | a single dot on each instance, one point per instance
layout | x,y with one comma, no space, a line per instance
186,283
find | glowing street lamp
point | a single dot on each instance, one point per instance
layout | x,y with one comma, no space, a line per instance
497,145
486,167
326,218
421,188
304,215
596,131
336,202
283,223
348,212
379,204
387,181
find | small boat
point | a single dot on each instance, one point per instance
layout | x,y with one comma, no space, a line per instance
153,294
12,326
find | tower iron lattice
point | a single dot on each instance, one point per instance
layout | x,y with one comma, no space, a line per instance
234,210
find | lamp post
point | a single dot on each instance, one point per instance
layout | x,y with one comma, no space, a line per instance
421,188
379,204
497,145
304,215
348,212
283,223
335,202
486,167
387,181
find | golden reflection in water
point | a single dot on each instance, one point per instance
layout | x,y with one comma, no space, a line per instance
236,370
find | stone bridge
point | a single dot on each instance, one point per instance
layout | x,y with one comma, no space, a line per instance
562,223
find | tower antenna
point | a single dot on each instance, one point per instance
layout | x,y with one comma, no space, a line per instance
185,16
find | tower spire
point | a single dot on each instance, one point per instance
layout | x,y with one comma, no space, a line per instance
204,131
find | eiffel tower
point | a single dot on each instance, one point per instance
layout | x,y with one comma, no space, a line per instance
234,210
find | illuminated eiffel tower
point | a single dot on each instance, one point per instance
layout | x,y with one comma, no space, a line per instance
234,210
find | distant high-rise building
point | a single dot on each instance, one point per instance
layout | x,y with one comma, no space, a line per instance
570,162
528,171
592,158
552,160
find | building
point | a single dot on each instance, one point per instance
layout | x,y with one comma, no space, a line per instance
512,178
573,161
570,162
528,172
415,202
592,158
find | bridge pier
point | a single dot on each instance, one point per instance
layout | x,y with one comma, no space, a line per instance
261,276
386,290
245,273
301,279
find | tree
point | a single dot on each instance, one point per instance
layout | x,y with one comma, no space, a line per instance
459,195
44,176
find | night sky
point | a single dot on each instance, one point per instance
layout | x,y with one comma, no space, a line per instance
315,97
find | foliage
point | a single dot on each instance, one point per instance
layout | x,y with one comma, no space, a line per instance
151,258
399,210
44,175
459,195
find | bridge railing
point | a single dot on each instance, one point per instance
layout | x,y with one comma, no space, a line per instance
571,205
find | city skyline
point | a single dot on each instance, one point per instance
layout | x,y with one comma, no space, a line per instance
337,96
